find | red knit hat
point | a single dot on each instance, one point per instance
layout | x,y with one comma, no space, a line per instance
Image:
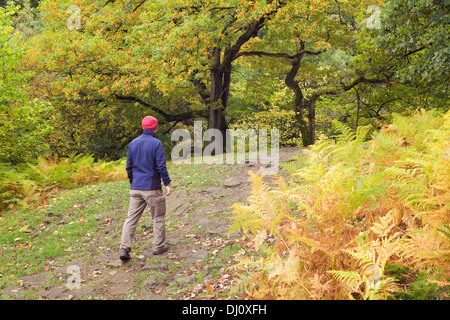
149,123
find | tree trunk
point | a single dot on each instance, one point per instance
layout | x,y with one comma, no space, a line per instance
357,110
226,83
298,100
219,92
312,118
221,74
215,92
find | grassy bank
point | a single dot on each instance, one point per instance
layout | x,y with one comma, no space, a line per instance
84,223
29,185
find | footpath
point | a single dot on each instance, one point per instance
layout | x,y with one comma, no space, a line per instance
197,265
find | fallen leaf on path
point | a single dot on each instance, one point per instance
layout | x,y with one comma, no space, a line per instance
25,229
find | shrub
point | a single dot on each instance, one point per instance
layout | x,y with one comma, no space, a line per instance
29,184
284,121
354,207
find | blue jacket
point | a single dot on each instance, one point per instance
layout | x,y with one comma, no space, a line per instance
146,163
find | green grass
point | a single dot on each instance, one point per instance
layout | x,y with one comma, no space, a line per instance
80,222
65,227
194,177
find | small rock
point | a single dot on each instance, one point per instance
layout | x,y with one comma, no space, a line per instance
198,255
222,231
232,182
185,280
176,201
114,263
234,235
52,293
76,293
205,223
159,266
214,190
151,282
12,290
173,240
147,253
82,292
32,282
120,276
122,288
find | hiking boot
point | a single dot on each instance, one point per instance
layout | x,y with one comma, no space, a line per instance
163,249
124,255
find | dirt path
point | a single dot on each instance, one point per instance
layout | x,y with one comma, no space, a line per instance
195,267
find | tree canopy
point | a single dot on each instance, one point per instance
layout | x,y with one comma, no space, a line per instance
101,66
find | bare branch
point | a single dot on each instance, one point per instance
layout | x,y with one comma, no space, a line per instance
168,117
362,79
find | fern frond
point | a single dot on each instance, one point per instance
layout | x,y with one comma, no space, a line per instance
351,196
347,134
365,258
245,218
351,278
384,226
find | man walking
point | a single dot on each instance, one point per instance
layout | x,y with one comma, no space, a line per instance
146,166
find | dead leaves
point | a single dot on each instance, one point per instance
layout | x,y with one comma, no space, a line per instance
211,288
216,278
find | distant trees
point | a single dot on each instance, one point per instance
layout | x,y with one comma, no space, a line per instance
185,60
23,122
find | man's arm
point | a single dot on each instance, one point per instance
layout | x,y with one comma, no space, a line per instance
162,168
129,167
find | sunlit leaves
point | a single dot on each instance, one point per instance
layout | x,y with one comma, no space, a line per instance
23,123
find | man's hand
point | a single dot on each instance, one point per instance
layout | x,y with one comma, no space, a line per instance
168,190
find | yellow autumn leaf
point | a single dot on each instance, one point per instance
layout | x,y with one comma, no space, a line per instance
25,229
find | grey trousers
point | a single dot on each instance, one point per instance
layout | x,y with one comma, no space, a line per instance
139,199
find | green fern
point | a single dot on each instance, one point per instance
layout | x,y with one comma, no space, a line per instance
346,135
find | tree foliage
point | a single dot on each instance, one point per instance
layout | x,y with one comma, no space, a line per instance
188,60
415,37
23,122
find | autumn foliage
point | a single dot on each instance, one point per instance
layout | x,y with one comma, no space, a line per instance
356,206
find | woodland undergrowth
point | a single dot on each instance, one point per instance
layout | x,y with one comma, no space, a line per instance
355,205
31,184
